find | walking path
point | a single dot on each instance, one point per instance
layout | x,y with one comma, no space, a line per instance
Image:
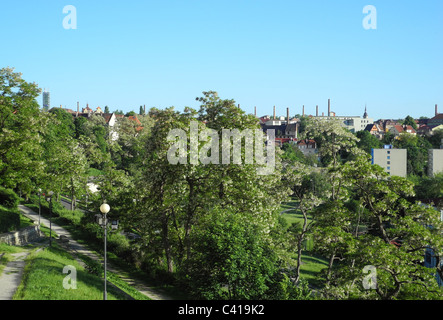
12,276
79,248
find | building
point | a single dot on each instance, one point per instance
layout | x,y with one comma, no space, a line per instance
352,123
392,160
376,130
399,129
46,100
435,161
286,129
436,121
307,147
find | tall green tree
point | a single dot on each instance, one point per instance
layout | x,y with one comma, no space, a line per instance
21,128
410,122
417,152
389,233
367,141
173,198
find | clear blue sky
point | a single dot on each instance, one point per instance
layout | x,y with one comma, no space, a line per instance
258,52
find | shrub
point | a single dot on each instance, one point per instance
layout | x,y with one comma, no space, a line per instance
8,198
9,220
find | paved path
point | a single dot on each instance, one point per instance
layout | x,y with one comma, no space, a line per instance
79,248
12,276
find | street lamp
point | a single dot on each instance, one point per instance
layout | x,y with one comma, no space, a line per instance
49,199
104,209
39,205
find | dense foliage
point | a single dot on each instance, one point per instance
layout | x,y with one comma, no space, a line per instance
216,228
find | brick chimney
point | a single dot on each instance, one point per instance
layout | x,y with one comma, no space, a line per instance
287,114
303,112
274,112
329,107
316,113
436,110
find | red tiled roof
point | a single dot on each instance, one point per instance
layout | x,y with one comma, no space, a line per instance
407,128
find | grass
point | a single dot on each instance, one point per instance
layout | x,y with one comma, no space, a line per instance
8,250
312,264
43,279
70,221
311,267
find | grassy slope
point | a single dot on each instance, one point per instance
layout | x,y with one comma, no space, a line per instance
311,263
43,279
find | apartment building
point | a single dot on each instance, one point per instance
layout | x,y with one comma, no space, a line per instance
392,160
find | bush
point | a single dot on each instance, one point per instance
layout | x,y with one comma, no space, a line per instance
9,220
8,198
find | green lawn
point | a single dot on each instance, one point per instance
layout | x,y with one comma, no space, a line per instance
311,263
43,279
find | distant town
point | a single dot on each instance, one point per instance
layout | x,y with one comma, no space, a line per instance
287,129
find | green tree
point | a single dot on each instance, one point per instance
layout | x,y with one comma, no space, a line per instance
80,127
301,179
196,187
65,126
389,232
231,259
436,139
417,152
410,122
21,129
367,141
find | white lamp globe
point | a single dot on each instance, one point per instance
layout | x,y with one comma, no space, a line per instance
104,208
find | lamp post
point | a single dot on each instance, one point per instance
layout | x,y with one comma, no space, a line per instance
39,205
104,209
49,199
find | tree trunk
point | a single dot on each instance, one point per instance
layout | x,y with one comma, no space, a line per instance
300,246
331,263
166,244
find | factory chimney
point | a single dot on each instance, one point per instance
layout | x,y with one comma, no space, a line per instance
329,107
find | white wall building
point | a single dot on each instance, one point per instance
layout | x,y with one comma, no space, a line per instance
392,160
435,161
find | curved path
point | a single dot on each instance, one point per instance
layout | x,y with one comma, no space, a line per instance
79,248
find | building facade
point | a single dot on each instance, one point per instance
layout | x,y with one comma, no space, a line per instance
392,160
435,161
46,100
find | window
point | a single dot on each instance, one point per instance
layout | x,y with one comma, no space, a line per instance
389,152
389,168
389,157
428,258
389,162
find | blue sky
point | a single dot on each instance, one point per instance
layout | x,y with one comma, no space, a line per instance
258,52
